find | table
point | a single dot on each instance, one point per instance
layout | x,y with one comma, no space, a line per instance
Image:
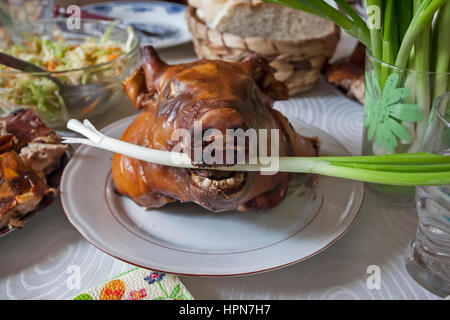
36,262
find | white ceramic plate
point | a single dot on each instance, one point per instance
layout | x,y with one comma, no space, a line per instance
187,239
153,16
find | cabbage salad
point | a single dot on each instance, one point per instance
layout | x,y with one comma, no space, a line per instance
57,55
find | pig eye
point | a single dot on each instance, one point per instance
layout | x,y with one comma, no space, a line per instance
170,90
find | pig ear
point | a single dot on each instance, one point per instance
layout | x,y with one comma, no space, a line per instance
263,75
153,67
142,86
134,86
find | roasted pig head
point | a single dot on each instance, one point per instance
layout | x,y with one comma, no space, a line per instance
219,95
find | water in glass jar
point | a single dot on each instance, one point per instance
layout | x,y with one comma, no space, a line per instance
432,243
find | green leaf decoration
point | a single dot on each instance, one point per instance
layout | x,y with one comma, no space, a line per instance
385,111
399,130
396,95
406,112
83,296
379,137
163,289
184,296
389,138
390,85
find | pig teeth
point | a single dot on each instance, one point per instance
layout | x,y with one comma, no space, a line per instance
215,185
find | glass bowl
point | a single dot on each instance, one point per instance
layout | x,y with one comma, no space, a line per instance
82,93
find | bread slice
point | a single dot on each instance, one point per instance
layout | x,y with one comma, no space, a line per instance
254,18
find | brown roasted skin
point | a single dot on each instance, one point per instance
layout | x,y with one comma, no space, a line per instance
221,95
349,74
24,142
25,126
20,187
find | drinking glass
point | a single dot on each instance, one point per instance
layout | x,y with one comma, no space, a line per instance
397,105
25,11
429,260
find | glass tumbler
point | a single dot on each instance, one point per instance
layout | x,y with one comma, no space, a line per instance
25,11
429,260
397,105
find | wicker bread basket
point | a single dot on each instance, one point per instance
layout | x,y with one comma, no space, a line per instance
297,63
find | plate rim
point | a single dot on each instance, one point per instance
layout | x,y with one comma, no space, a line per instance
322,248
163,45
121,2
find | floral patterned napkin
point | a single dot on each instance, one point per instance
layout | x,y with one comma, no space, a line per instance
138,284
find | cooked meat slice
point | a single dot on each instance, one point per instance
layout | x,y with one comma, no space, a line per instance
3,126
41,156
29,151
15,223
6,142
21,190
25,126
349,74
357,88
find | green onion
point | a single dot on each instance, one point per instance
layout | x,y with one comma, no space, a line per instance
404,15
410,34
299,5
395,15
322,9
410,169
422,17
389,40
442,49
375,47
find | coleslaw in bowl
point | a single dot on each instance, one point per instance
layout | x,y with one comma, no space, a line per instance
97,58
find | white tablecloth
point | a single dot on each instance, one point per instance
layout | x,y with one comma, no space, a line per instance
36,262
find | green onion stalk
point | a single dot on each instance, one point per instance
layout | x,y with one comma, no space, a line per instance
408,38
408,169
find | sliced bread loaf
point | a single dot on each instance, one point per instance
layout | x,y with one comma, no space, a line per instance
254,18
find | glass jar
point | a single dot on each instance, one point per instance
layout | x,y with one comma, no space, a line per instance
397,105
429,261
